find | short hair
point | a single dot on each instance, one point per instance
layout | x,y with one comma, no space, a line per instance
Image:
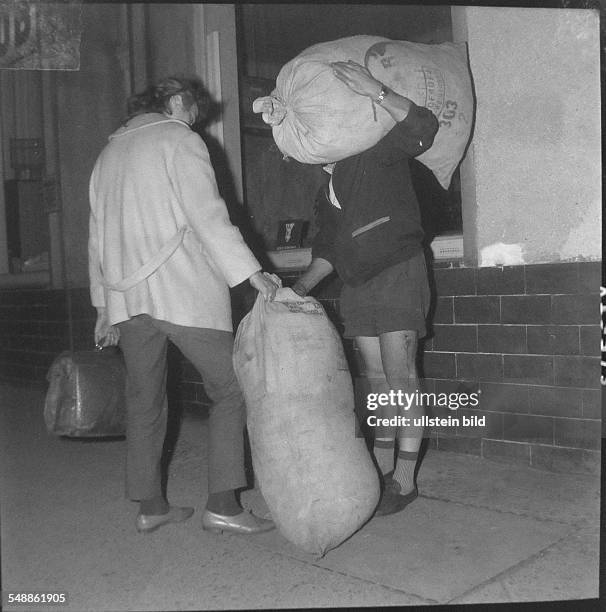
155,98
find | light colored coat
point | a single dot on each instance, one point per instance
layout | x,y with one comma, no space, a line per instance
154,178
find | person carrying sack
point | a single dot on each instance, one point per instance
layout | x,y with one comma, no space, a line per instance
162,257
370,233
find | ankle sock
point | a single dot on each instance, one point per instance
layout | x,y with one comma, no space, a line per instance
383,451
154,505
224,502
404,474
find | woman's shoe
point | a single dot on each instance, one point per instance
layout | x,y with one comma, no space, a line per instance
392,500
146,523
243,523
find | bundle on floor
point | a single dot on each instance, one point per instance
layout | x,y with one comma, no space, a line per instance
85,397
316,476
317,119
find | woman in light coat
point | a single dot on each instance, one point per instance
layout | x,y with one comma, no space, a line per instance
162,257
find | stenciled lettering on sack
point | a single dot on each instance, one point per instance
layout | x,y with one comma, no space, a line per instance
449,113
434,87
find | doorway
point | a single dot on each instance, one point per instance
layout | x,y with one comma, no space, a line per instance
269,35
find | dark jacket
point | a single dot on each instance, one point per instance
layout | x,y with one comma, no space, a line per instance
379,223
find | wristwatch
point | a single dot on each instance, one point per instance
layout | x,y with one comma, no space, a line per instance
384,91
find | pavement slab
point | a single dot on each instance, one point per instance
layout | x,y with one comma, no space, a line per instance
480,532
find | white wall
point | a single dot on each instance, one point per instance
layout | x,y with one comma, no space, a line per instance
536,154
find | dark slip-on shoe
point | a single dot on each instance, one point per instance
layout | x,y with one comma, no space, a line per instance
243,523
392,500
146,523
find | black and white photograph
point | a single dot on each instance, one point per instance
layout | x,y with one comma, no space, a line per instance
301,305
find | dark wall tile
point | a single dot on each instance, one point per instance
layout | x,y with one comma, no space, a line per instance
502,338
492,427
577,371
528,369
555,401
567,460
529,309
466,446
456,386
575,309
507,280
590,277
18,371
528,428
428,385
504,397
506,452
426,344
552,278
455,281
7,328
592,404
439,365
80,299
444,310
578,433
590,339
480,309
53,328
553,339
480,367
443,412
455,338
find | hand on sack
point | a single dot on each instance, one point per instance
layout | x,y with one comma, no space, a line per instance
105,334
266,284
357,78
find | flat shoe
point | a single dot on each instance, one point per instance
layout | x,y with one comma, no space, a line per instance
243,523
392,500
146,523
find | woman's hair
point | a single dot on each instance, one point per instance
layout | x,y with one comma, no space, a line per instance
155,98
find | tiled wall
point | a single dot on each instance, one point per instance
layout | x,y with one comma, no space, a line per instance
526,338
35,328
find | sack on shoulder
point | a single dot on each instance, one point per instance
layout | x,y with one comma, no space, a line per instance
85,397
316,119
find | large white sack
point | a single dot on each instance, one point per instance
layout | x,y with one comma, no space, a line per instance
316,476
323,121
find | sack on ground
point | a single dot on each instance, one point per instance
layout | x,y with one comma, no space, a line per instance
316,476
85,397
317,119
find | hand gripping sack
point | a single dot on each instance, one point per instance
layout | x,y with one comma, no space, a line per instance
85,397
316,476
317,119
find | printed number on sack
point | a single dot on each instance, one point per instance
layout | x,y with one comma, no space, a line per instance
449,113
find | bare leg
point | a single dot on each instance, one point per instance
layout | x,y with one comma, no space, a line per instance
398,355
384,440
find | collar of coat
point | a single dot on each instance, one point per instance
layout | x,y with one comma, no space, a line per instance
143,121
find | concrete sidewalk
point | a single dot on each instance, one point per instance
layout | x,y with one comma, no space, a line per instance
479,532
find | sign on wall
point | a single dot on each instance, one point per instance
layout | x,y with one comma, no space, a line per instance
40,35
